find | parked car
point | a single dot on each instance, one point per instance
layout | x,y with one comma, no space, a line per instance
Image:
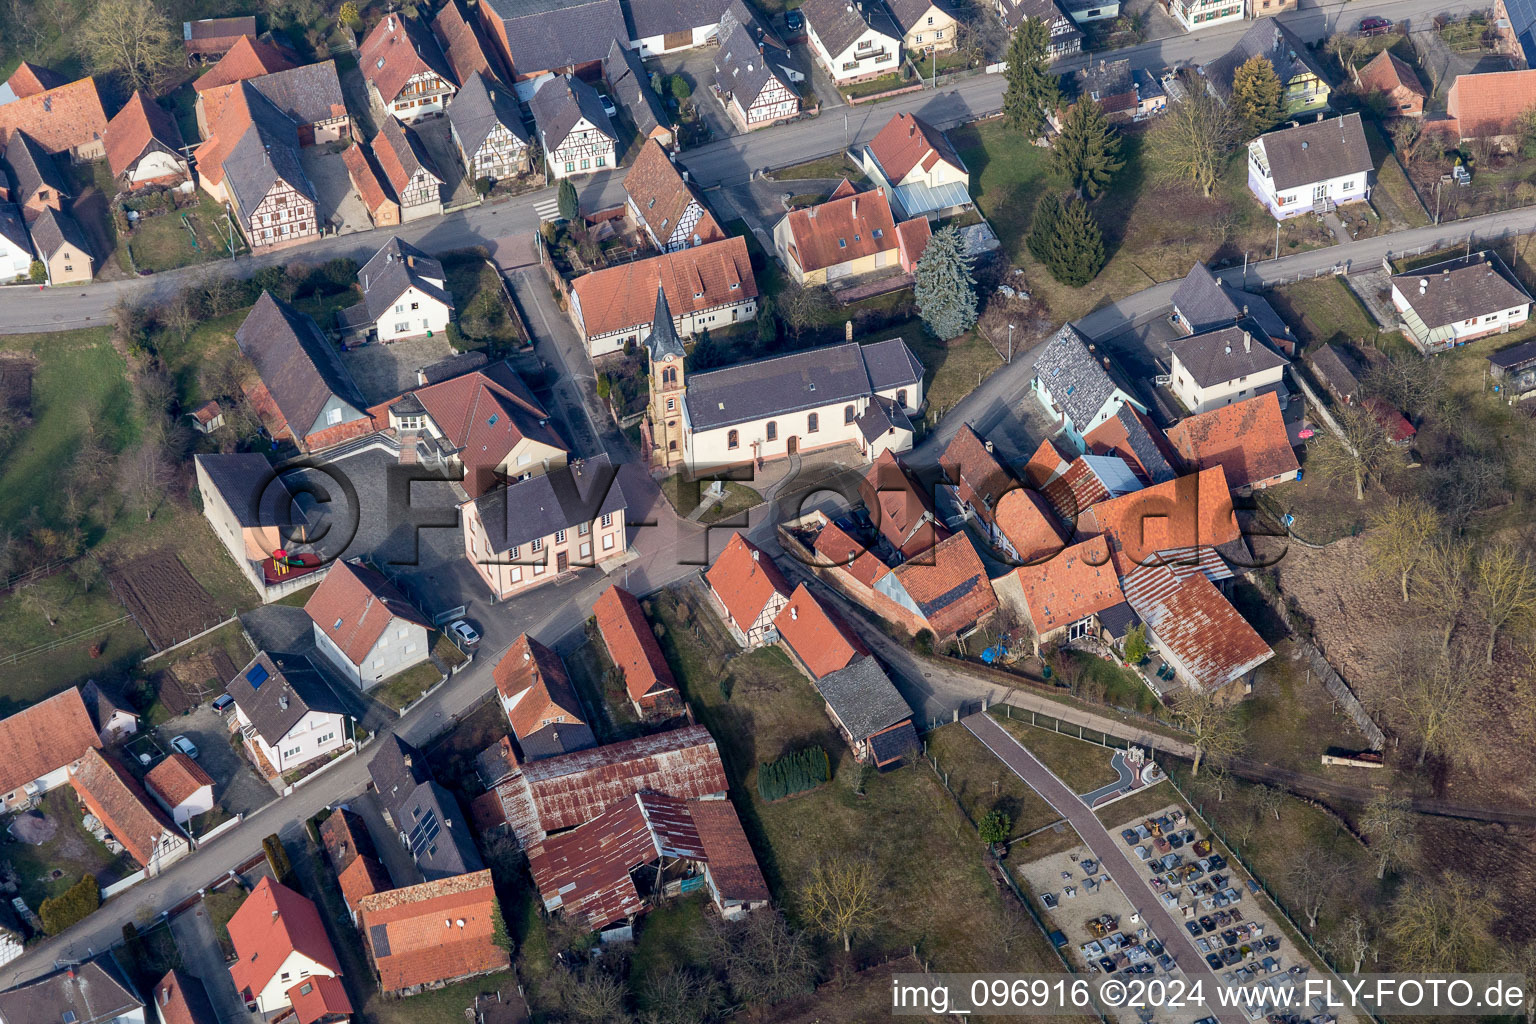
463,633
184,745
608,107
1374,26
795,21
223,702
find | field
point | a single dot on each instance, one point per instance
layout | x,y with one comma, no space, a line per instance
403,687
163,598
758,707
981,782
1083,766
602,692
1324,311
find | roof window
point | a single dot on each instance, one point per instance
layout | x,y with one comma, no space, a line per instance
842,243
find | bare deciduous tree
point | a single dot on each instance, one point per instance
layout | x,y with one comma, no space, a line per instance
1268,800
1433,696
801,307
1350,942
1363,453
143,473
1443,584
1316,879
132,38
597,997
763,959
1399,538
1503,589
1195,136
1388,823
1212,726
842,895
1442,925
40,599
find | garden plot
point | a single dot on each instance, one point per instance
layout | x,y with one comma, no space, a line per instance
161,595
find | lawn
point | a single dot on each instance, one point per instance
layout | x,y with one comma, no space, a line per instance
885,83
835,166
758,707
1392,182
1325,508
1081,764
402,688
1154,228
602,691
981,782
483,309
954,368
49,869
164,243
685,496
1324,311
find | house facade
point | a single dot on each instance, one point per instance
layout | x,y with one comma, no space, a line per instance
1454,302
851,234
755,86
408,167
1304,87
925,26
144,145
1075,388
62,246
181,786
1311,168
119,803
405,295
748,592
662,202
1065,37
15,244
1220,367
282,955
488,129
1395,82
918,167
305,392
248,505
365,626
39,746
853,43
405,69
286,714
575,132
1193,15
383,209
540,703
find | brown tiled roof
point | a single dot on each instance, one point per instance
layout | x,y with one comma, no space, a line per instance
209,35
224,132
180,998
1196,624
319,998
1076,583
534,670
140,122
697,278
365,178
433,932
1460,290
1319,150
363,876
400,155
1248,440
459,35
842,229
345,837
43,738
912,238
177,779
1136,439
1046,464
745,579
907,141
118,801
732,864
631,644
586,872
354,605
248,58
834,547
901,505
1024,518
1386,73
978,475
949,585
1076,489
817,634
273,922
30,79
397,49
1491,102
62,118
1194,511
661,196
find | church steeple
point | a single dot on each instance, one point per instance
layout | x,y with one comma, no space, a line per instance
663,342
665,351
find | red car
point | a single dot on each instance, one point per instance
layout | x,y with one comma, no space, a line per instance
1374,26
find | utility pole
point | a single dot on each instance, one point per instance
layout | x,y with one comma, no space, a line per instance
1010,344
1277,239
845,131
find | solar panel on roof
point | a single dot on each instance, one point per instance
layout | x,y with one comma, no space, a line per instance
423,833
378,937
256,675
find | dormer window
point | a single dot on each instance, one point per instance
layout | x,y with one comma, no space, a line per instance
877,233
336,624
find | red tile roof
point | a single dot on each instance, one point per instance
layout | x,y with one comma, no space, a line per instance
433,932
1046,464
949,584
1387,74
363,876
273,922
697,278
745,580
217,35
354,606
842,229
345,836
1196,624
1025,519
631,644
117,799
319,998
834,547
907,141
140,122
391,54
30,79
1111,438
979,476
661,196
177,779
366,179
1075,584
1193,511
44,738
1248,440
248,58
67,117
1490,103
732,864
180,998
225,132
817,633
533,670
1075,490
459,35
912,236
901,506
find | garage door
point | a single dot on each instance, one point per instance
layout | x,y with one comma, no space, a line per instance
840,270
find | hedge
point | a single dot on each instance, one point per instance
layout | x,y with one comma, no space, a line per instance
71,906
793,773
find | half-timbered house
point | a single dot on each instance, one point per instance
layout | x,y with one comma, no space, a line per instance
488,129
405,68
662,202
750,79
408,166
574,131
252,162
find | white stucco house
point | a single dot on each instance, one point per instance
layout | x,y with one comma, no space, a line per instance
1220,367
405,295
283,957
1076,387
1193,15
1452,303
181,787
365,626
15,244
1311,168
854,40
286,713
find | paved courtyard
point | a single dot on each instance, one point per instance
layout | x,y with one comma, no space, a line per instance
236,786
203,958
384,371
339,209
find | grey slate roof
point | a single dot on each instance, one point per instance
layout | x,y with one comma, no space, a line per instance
1317,152
1206,302
863,698
53,230
880,416
647,18
534,508
395,771
837,23
267,152
741,70
1514,356
308,94
553,740
408,148
389,272
1461,289
1269,39
799,380
1334,371
479,106
99,992
909,14
631,87
1102,79
33,167
548,34
1218,356
1075,379
292,689
888,746
294,360
1144,446
451,851
663,340
12,228
255,494
453,366
559,104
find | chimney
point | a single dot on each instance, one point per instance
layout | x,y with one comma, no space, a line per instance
274,915
1247,342
410,261
794,613
854,207
408,760
755,556
71,972
391,22
1445,273
1106,362
165,996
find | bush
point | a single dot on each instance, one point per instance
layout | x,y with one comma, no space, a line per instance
994,826
681,90
37,272
277,858
1136,648
71,906
793,773
923,641
483,187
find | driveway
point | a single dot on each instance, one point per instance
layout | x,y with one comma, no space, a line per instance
236,786
697,67
338,207
202,958
276,627
458,190
384,371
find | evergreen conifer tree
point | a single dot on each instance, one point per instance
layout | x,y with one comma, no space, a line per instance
1256,93
1087,152
1032,89
943,286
